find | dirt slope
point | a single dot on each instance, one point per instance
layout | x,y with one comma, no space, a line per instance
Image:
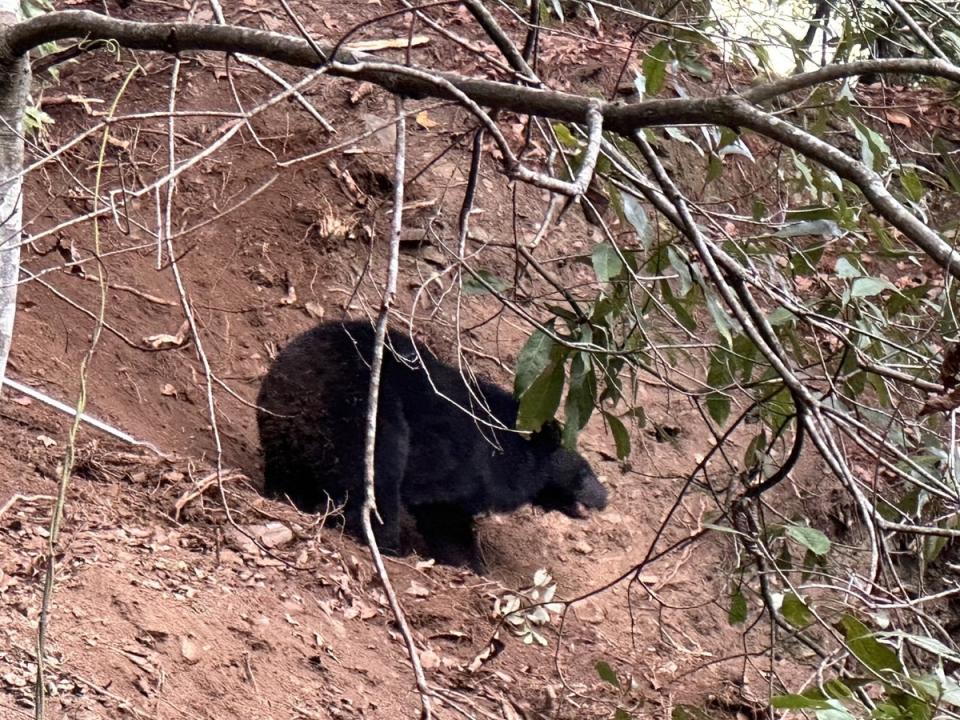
161,609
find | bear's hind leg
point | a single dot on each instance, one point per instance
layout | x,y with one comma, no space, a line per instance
390,462
449,534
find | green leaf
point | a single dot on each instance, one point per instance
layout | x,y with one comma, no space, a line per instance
929,644
540,401
873,148
536,355
780,316
798,702
581,395
678,262
837,689
867,649
678,306
823,228
565,137
811,538
621,714
718,376
620,435
655,67
478,284
738,609
837,712
722,321
680,136
812,212
634,214
607,674
606,262
846,269
714,169
950,166
795,610
911,184
755,450
868,287
804,262
697,69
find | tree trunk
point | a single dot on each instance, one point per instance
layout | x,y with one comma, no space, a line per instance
14,86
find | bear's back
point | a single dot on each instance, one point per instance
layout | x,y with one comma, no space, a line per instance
312,420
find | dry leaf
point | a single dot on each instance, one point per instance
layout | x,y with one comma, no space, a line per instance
424,121
314,310
165,342
486,655
168,390
898,118
374,45
46,441
290,297
362,91
941,403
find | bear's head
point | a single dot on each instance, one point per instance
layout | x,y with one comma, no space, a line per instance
570,485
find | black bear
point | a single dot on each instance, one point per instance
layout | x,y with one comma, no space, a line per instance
442,463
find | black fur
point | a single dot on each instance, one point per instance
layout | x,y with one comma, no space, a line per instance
431,458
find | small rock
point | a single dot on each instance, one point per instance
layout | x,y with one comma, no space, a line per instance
429,660
590,612
417,590
190,650
583,547
14,680
273,534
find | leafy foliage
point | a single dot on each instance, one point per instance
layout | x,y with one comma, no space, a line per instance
527,611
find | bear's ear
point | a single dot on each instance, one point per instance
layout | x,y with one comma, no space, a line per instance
550,435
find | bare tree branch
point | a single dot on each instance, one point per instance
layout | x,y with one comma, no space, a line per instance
14,84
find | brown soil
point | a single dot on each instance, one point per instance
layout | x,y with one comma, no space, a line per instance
165,614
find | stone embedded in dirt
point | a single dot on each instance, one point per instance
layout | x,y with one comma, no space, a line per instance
273,534
229,557
417,590
583,547
241,541
429,660
190,650
358,608
14,680
589,611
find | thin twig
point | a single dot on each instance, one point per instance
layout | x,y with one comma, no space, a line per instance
71,447
369,502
